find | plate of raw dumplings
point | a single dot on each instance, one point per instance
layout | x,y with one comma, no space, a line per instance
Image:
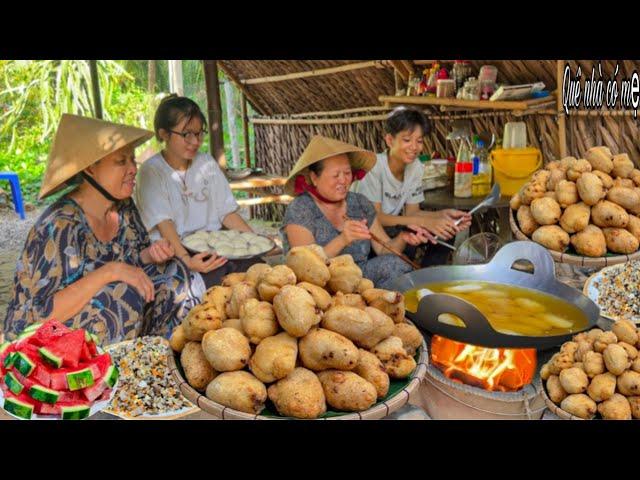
230,244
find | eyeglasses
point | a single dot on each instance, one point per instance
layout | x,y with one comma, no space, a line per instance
190,136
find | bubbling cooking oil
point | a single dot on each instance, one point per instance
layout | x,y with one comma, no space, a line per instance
509,309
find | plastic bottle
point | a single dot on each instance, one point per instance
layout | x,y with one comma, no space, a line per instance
463,177
481,182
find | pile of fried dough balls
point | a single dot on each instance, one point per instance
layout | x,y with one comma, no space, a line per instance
592,203
597,372
314,330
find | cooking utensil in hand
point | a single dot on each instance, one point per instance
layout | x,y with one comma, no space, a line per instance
489,200
405,228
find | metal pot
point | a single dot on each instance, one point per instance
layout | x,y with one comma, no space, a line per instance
500,269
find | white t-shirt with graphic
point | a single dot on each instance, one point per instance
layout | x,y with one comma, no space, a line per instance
380,186
197,199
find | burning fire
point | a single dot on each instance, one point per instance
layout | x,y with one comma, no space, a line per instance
494,369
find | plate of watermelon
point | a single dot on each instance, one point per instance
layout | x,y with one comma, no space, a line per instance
53,372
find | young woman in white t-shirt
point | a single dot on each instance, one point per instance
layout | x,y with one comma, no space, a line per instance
394,185
181,190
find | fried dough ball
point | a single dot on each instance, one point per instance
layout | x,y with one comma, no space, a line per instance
622,166
559,361
566,193
394,358
616,408
634,226
256,272
514,203
240,293
387,301
258,320
345,274
364,285
600,158
557,175
308,265
299,395
197,369
590,188
347,391
575,217
372,370
545,211
527,223
218,296
545,372
623,183
635,365
275,357
607,181
620,240
200,319
552,237
594,334
349,299
632,352
322,349
568,162
273,280
602,387
541,176
178,340
531,191
593,364
629,383
555,390
616,359
365,328
608,214
579,405
625,331
296,310
231,279
226,349
320,295
410,336
238,390
235,323
569,347
627,198
603,340
590,242
574,380
579,168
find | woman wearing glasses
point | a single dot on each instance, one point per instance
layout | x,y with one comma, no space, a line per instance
181,190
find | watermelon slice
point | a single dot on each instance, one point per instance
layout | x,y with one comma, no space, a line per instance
27,382
103,362
22,402
42,375
71,397
93,392
47,409
59,379
49,331
106,394
68,347
93,348
85,354
30,351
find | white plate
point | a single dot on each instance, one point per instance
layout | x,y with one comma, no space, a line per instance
95,408
591,291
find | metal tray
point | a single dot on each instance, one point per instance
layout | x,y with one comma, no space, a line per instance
500,269
243,257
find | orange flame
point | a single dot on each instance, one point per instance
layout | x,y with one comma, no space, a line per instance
494,369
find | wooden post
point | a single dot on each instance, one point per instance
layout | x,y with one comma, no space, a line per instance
214,112
562,119
95,87
231,124
245,133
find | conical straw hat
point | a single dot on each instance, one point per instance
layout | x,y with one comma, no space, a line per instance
80,142
320,148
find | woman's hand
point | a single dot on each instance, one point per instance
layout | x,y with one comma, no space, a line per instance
355,230
454,215
134,276
158,252
439,226
198,263
417,236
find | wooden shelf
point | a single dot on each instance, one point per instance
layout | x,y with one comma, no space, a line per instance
470,104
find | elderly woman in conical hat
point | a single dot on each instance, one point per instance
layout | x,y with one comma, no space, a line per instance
326,213
88,260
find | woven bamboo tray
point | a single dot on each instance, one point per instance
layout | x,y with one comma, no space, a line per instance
572,259
399,392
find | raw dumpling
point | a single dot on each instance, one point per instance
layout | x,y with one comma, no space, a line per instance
255,250
240,251
196,244
225,251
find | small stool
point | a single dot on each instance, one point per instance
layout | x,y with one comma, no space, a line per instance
15,191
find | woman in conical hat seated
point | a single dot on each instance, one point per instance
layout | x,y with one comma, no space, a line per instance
88,260
326,213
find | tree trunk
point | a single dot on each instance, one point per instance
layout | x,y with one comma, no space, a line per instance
175,77
214,112
231,124
95,86
152,76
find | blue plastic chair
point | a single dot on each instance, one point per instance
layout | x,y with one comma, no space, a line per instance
15,191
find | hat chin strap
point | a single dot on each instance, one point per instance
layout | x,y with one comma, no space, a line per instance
99,188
